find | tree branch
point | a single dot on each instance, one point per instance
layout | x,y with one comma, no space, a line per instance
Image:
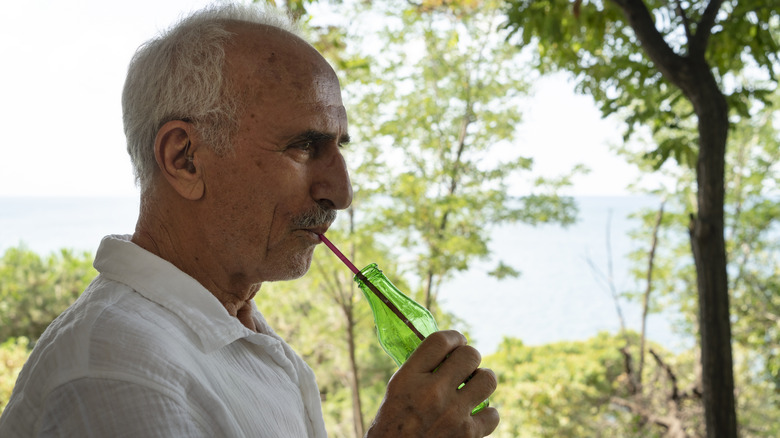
686,23
669,63
629,370
649,289
670,374
646,414
609,279
704,29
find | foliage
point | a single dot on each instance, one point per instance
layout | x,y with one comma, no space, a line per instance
35,289
432,123
435,116
593,40
659,64
568,389
13,355
310,313
753,242
757,395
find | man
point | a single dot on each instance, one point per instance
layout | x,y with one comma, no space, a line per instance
234,125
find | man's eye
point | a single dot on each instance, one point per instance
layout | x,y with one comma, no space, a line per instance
304,150
305,146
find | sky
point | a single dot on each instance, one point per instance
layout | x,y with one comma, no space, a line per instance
63,67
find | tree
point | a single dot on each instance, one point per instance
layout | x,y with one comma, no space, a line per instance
751,220
35,289
672,408
423,126
13,355
324,317
642,59
438,109
568,389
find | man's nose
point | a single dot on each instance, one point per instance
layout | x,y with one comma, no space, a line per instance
331,184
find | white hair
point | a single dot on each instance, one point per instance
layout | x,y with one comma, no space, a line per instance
179,76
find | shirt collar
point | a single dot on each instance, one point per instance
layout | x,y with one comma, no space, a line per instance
158,280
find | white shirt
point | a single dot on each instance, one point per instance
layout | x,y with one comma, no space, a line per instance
147,351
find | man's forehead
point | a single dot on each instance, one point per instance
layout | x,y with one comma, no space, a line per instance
258,39
272,56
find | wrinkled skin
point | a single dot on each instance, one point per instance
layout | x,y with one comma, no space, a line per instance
422,403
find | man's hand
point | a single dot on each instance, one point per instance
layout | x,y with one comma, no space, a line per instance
422,403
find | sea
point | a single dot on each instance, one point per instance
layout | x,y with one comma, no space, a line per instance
560,294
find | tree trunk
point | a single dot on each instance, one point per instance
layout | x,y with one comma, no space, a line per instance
709,253
349,313
357,411
693,75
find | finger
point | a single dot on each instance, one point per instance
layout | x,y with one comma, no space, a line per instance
486,421
481,385
433,350
460,365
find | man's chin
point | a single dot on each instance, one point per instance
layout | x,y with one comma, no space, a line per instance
297,268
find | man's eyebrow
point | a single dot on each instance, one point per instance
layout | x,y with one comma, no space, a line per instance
317,136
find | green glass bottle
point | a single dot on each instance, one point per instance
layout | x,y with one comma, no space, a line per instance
401,323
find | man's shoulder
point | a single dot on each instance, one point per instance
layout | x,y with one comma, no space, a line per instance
109,309
110,331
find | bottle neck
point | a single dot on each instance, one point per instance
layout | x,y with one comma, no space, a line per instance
371,277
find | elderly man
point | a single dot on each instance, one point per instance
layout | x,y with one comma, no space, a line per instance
234,125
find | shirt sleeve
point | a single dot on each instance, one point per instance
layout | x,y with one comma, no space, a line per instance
92,407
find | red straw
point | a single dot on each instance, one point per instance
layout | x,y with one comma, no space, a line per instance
393,308
339,255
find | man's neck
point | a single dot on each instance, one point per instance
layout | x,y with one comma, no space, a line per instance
167,236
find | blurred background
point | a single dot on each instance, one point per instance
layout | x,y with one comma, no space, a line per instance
520,168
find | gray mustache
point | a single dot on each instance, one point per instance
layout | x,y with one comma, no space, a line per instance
316,217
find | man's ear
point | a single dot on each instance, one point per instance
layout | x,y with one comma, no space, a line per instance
178,159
